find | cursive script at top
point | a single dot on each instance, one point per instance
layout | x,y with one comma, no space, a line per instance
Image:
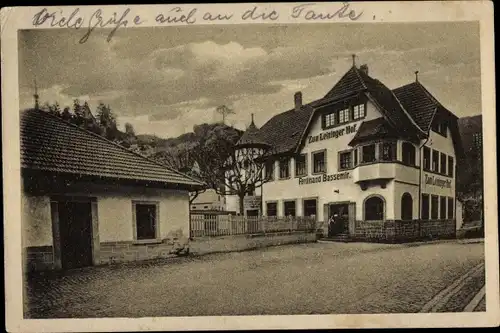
75,21
305,11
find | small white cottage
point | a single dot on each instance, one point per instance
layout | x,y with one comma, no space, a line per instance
88,201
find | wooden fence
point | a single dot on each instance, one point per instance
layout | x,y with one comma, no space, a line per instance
226,225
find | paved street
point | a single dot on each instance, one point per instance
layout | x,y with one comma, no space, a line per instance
316,278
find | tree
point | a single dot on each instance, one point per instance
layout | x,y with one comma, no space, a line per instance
107,121
129,129
224,111
66,114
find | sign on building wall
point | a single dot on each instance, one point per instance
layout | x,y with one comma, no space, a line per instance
436,181
324,178
252,202
333,134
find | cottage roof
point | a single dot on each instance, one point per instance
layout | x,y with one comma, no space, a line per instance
51,144
371,129
251,138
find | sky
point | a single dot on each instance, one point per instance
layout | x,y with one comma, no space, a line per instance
164,80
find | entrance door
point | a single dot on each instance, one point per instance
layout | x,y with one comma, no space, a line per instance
75,223
342,220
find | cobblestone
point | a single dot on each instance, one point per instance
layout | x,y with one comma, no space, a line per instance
296,279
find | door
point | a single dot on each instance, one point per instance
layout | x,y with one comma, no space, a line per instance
75,223
342,219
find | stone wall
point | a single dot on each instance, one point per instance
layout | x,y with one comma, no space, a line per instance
126,251
400,231
205,245
38,258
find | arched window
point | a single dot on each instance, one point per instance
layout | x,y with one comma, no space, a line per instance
374,208
406,207
408,153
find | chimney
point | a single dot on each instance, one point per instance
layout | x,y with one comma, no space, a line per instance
364,68
298,100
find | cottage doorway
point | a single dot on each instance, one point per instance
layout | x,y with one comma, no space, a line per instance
75,225
342,219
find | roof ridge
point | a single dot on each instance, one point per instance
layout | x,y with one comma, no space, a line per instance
356,70
109,141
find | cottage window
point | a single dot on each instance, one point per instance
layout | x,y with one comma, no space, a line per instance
272,208
435,160
330,119
450,166
145,220
358,111
434,207
310,207
345,160
442,208
408,153
450,208
443,168
343,116
368,153
300,165
374,209
425,207
284,168
319,162
427,159
406,207
289,208
269,170
388,151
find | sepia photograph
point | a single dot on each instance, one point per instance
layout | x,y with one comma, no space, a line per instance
252,170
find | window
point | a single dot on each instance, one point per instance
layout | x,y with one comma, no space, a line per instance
408,153
442,208
310,207
330,119
272,208
270,170
345,160
374,209
406,207
284,168
300,165
427,158
443,168
425,206
435,160
434,207
440,127
145,220
319,162
355,153
289,208
388,151
343,116
358,111
368,154
450,166
450,208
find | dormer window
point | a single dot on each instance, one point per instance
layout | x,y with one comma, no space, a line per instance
440,128
343,116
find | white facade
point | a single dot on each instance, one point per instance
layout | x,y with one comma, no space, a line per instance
388,180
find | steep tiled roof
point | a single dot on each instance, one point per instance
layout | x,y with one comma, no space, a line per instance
51,144
284,130
418,102
376,128
349,82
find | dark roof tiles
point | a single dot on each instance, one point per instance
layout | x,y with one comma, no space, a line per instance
51,144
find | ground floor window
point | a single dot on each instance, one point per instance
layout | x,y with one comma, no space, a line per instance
145,220
442,208
289,209
450,208
310,207
272,209
406,207
425,206
434,207
374,209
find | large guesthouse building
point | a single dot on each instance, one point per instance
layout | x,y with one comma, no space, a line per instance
382,161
